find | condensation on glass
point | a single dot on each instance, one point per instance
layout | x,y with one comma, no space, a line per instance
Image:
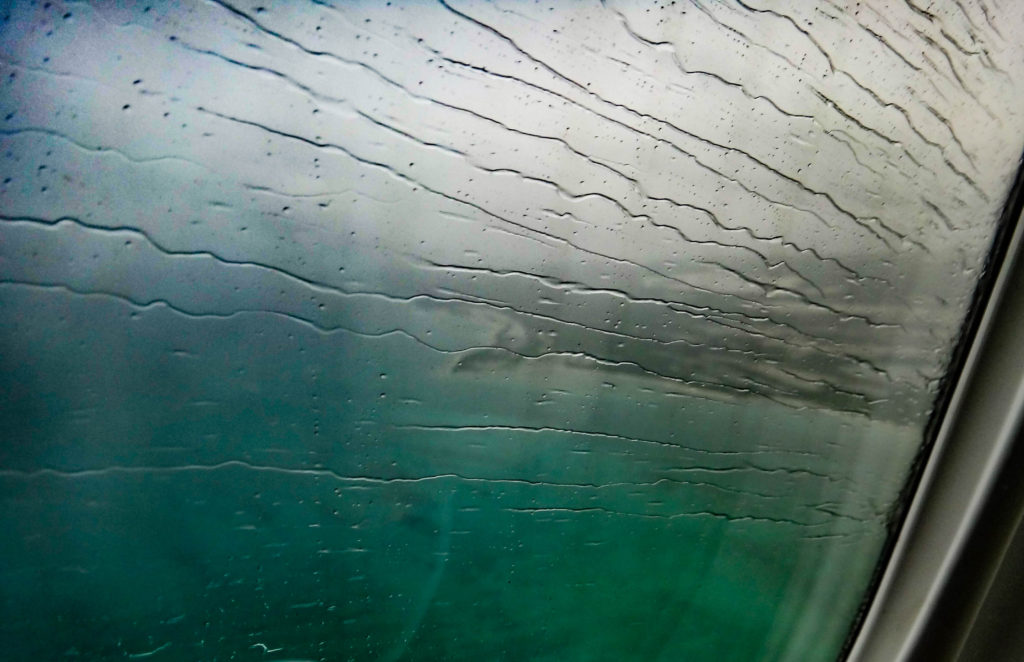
478,331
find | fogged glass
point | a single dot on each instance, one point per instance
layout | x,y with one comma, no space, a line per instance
478,331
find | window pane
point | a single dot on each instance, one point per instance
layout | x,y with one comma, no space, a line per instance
478,331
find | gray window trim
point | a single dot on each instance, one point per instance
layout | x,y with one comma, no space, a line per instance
976,435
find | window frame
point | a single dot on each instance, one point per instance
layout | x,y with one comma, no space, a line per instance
912,613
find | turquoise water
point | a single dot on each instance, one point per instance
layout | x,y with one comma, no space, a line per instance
258,486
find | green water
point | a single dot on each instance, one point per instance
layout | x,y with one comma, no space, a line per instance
246,489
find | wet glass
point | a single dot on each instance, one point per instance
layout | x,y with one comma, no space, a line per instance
478,331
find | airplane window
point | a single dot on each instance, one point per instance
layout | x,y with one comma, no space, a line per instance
463,330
